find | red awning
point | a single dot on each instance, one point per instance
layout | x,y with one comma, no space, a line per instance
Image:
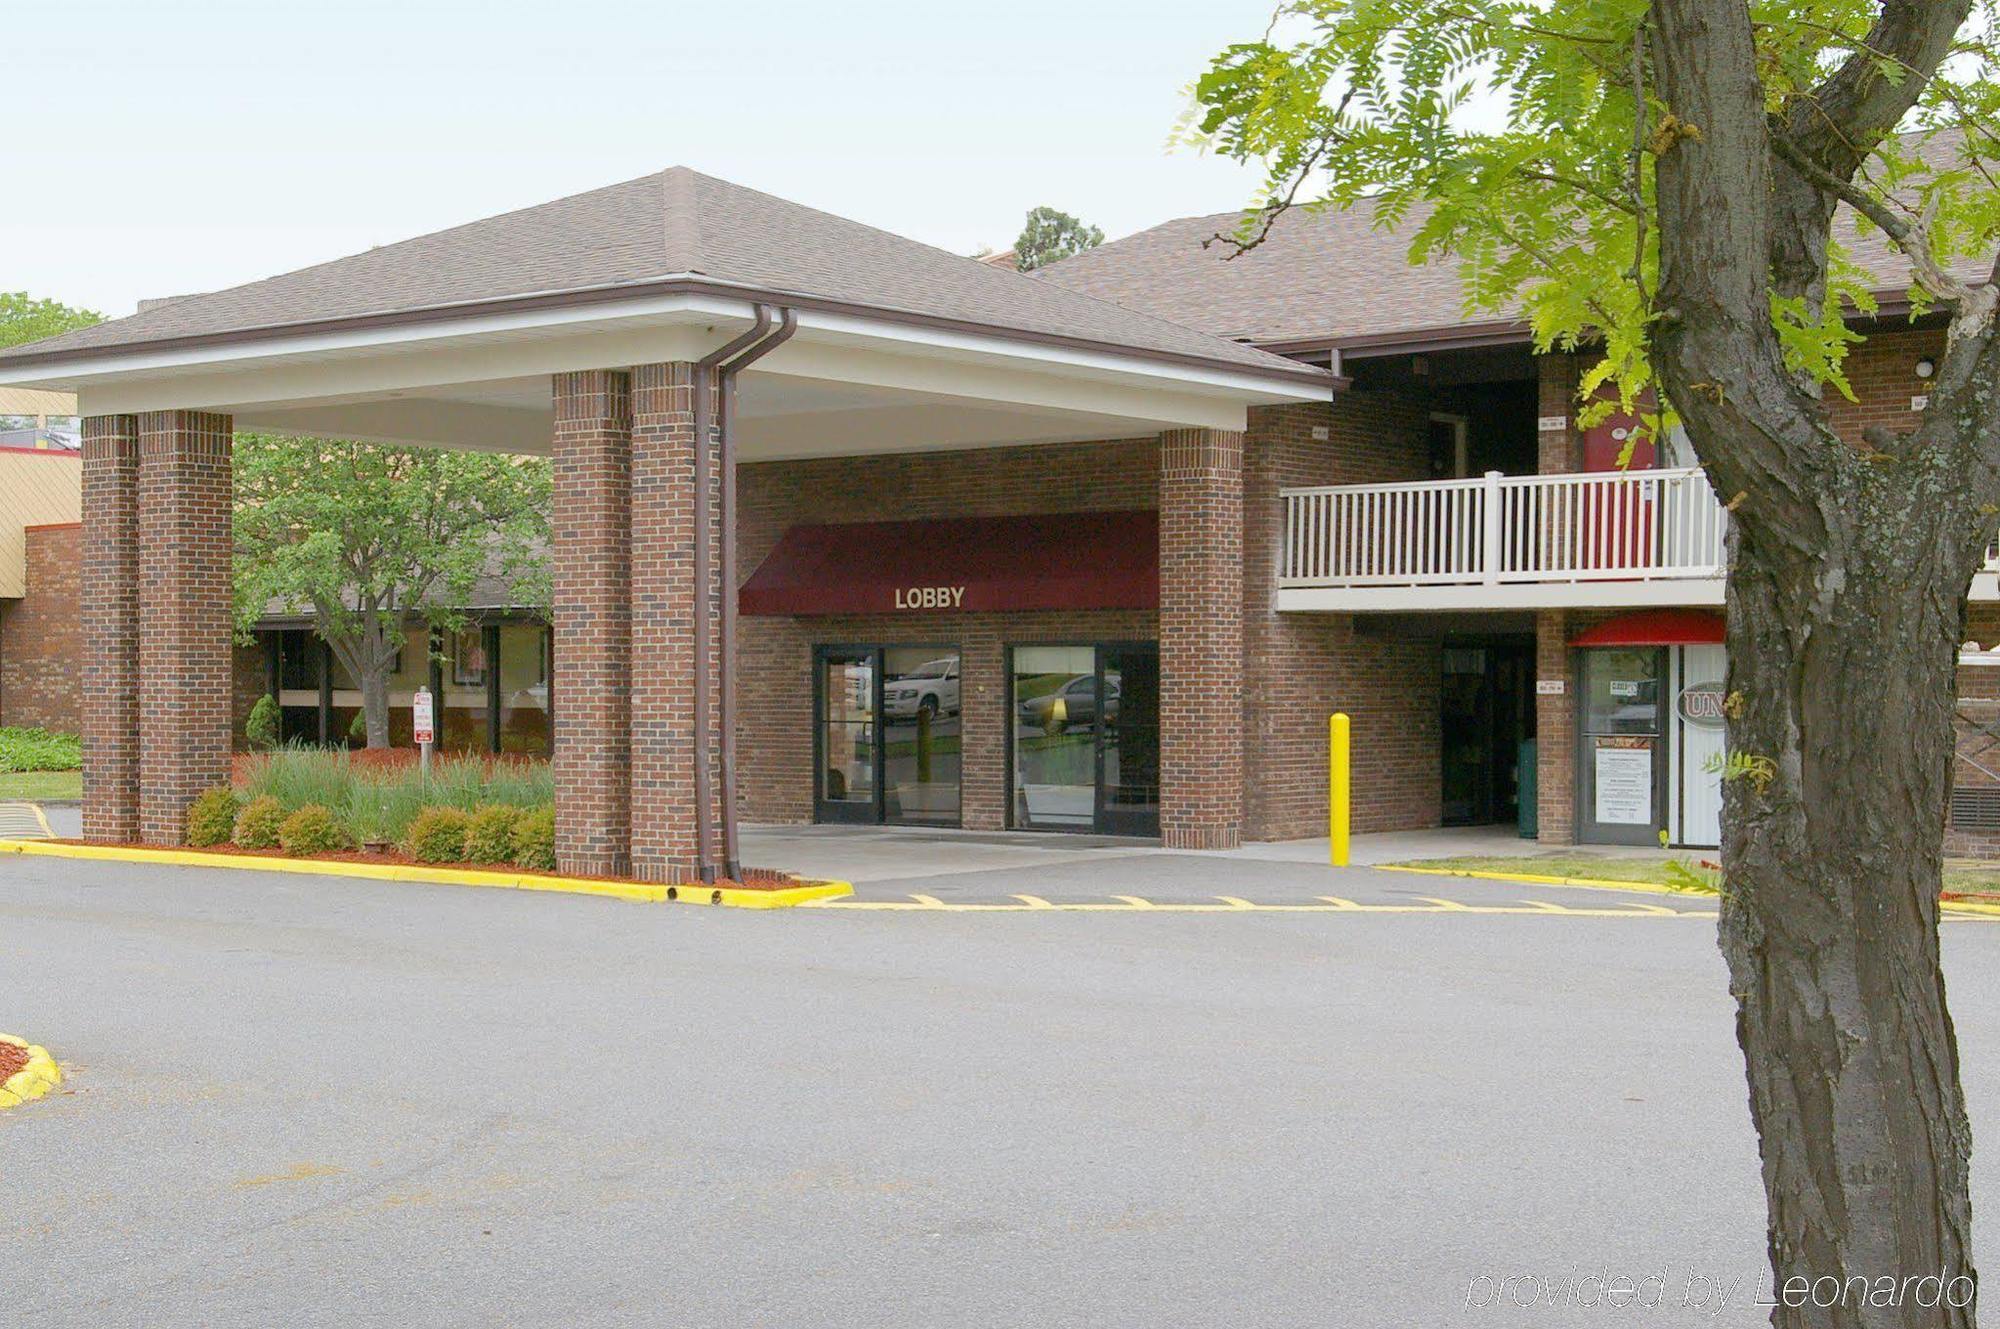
1076,560
1655,627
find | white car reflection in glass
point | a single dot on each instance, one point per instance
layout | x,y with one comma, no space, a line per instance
930,689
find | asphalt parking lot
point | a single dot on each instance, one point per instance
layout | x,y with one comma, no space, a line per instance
301,1101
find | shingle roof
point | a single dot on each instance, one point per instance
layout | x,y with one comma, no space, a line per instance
1319,274
655,228
1329,276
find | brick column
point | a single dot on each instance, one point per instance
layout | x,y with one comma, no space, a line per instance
664,603
592,759
184,615
1560,450
110,595
1555,731
1201,638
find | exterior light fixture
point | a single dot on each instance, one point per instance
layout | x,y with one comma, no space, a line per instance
1926,367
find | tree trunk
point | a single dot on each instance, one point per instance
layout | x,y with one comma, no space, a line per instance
375,703
1841,678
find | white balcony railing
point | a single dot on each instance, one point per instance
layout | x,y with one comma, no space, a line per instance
1500,530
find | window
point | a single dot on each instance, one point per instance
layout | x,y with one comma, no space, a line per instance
468,658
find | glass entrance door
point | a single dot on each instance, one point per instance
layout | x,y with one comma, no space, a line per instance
846,706
1085,738
886,723
1621,766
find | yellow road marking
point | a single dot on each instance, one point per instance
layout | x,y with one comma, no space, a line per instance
1450,906
1230,904
1339,902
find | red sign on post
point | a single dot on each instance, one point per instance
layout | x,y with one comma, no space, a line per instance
421,710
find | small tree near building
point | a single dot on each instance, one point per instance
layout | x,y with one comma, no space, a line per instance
1050,235
1663,185
366,537
23,318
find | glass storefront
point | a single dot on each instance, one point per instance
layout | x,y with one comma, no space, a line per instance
887,734
493,683
1085,738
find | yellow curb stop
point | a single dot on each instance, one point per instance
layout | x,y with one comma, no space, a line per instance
638,892
40,1075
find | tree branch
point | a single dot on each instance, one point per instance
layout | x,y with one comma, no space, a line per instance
1973,303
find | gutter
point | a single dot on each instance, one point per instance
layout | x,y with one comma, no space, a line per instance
684,284
704,523
731,856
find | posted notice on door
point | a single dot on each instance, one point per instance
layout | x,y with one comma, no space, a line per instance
1622,777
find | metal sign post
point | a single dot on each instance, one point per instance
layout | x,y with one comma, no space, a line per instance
420,707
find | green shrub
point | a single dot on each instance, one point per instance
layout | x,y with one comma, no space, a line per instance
39,750
438,836
378,802
260,728
313,830
212,818
535,839
257,825
489,837
357,729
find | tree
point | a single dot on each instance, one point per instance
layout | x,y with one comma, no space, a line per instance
25,319
1049,235
1662,183
367,537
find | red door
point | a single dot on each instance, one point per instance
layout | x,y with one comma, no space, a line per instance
1618,518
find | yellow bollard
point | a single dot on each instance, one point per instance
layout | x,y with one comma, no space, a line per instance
1338,788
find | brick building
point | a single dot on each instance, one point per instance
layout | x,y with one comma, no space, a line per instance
1097,548
40,501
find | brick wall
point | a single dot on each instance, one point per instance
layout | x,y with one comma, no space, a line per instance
1303,667
1883,372
592,451
1202,669
184,546
775,740
39,650
109,608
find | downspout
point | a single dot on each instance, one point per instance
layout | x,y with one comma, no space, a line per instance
704,476
732,857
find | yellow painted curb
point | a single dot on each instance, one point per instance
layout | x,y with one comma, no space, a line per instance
40,1075
1971,907
638,892
1542,879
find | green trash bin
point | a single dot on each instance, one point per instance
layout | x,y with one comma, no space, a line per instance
1525,786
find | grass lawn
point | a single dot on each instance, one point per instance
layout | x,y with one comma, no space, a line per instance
34,785
1957,877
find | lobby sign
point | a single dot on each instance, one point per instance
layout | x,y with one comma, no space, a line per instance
930,597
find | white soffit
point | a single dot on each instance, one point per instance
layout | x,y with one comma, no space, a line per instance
356,365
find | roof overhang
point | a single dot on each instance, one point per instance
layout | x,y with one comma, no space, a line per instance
477,376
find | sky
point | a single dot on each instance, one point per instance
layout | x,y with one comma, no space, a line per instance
189,145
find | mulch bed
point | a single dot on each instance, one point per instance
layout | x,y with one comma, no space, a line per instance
11,1059
759,879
